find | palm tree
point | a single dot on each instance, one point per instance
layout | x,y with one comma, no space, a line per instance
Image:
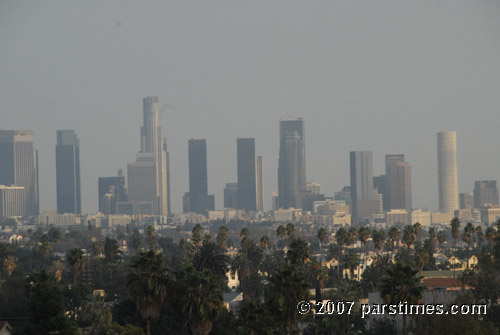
322,235
363,235
467,238
298,252
287,287
241,266
281,232
264,242
201,300
196,235
147,285
422,257
409,236
151,237
221,238
211,257
378,237
441,237
490,236
393,234
432,239
74,258
350,261
290,230
417,227
401,284
455,231
480,237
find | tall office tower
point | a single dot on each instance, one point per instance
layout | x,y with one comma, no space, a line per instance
259,178
466,200
19,167
292,163
344,195
447,171
148,175
199,200
398,190
231,195
485,193
380,183
68,172
361,171
112,190
247,187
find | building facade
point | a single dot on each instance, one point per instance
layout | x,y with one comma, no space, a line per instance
68,172
259,178
485,193
361,172
199,200
292,163
19,166
112,190
151,166
247,187
447,171
398,174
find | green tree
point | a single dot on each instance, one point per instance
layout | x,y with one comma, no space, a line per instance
393,237
201,300
211,257
74,258
222,236
287,287
455,231
147,285
46,305
401,284
196,235
298,252
409,236
467,238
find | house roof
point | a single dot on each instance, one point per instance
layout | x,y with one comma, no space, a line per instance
442,282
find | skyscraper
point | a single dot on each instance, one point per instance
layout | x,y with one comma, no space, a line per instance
398,174
68,172
231,195
292,163
485,193
19,167
148,177
362,196
247,197
111,191
260,184
199,200
447,171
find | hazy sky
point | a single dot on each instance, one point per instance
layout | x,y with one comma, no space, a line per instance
377,75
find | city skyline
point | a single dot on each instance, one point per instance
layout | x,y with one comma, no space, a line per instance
374,83
68,172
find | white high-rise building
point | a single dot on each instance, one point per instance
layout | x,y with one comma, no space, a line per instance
447,171
148,176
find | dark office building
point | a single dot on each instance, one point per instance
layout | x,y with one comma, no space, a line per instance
247,198
68,172
398,191
199,200
231,195
292,163
112,190
361,171
380,183
485,193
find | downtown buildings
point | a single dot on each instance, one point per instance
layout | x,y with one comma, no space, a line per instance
197,199
292,163
148,177
68,172
19,195
447,171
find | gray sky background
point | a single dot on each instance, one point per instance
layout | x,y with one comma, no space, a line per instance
378,75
